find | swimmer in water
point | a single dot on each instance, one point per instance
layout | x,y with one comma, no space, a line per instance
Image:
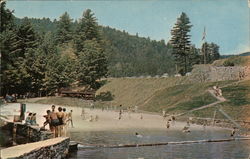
138,135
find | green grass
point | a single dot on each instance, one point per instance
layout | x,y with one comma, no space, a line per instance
238,95
181,98
235,60
193,103
237,105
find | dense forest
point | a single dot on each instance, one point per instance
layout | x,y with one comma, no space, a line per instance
128,55
40,56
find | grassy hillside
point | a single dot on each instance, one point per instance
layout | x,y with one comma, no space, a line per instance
172,94
155,94
136,91
235,60
237,104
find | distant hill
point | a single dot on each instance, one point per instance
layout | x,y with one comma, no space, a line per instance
241,54
245,54
236,60
128,55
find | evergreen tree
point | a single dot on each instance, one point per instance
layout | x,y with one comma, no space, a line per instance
180,42
28,38
92,64
87,29
60,72
205,53
6,18
48,44
214,52
64,29
209,52
194,57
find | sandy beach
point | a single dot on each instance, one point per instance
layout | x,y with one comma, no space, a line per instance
107,119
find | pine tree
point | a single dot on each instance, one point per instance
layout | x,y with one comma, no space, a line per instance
92,64
180,42
28,38
6,18
214,52
64,29
60,72
209,52
87,29
194,57
205,53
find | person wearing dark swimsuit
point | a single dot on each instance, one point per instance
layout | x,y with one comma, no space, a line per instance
60,116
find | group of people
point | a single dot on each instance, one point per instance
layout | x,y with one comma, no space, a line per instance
58,120
129,111
31,119
217,91
91,118
171,121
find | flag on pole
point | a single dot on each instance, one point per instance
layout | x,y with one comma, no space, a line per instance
204,34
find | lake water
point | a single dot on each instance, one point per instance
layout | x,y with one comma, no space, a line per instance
220,150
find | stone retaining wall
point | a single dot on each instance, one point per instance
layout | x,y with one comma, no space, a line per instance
208,73
56,148
32,133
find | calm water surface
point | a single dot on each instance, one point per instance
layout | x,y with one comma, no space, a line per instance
223,150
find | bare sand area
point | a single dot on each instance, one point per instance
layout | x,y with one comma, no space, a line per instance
107,119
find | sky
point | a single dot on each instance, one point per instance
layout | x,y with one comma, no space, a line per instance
227,22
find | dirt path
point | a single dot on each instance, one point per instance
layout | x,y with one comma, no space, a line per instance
220,99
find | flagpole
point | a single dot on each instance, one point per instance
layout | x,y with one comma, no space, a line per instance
204,48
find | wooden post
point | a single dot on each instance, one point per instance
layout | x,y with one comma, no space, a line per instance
14,133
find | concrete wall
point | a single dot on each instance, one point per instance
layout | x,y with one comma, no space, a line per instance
55,148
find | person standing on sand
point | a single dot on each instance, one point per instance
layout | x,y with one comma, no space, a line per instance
70,119
164,114
168,125
129,112
83,113
96,118
60,116
47,119
141,117
54,121
173,119
65,118
120,114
